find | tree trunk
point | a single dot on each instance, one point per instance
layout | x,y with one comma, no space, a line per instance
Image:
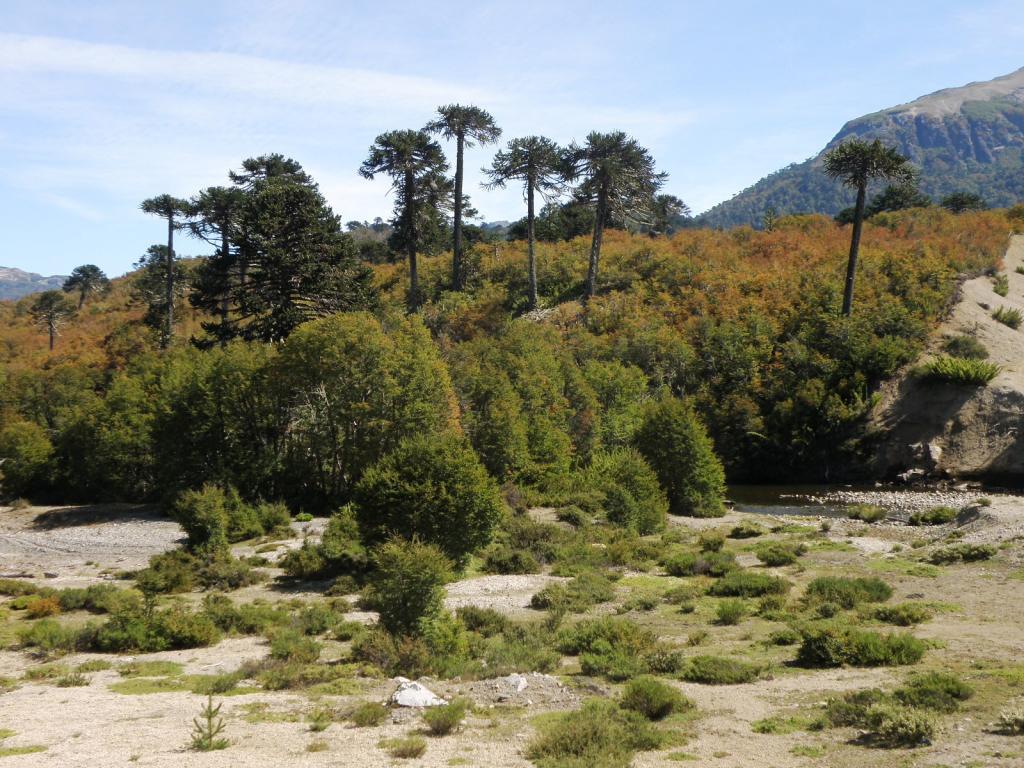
169,293
851,265
595,245
531,257
225,256
460,142
81,298
51,326
410,245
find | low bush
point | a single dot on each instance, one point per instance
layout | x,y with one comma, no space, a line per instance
866,513
501,558
244,619
485,621
900,726
787,636
368,714
959,370
652,698
40,607
851,709
49,636
775,554
633,499
730,612
848,592
965,347
583,592
904,614
339,551
1001,285
748,584
933,516
836,646
689,563
1010,722
746,530
711,541
292,645
97,598
937,691
408,656
718,670
1008,317
445,719
406,748
598,735
962,553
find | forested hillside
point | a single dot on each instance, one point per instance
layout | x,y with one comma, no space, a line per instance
742,325
968,139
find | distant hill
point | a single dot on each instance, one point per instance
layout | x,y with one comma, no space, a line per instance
969,138
15,283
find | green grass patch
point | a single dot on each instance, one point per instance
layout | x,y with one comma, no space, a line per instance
1011,318
958,370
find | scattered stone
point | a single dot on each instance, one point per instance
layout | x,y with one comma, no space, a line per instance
412,694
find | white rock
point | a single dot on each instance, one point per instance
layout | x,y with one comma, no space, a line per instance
412,694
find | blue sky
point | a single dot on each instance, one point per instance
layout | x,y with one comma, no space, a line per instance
106,103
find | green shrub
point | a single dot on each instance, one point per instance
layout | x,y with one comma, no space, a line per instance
170,572
572,515
96,598
40,607
787,636
717,670
848,592
408,583
632,497
598,735
746,530
711,541
965,347
445,719
678,449
485,621
431,487
583,592
49,636
652,698
777,553
501,558
937,691
406,748
962,553
1001,285
292,645
368,714
318,618
904,614
1008,317
274,519
900,727
1010,722
867,513
688,563
836,646
748,584
180,628
958,370
592,635
407,656
203,514
730,612
851,709
933,516
339,551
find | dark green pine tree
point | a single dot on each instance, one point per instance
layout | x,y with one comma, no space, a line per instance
467,126
620,182
213,218
541,166
416,165
86,280
290,260
856,163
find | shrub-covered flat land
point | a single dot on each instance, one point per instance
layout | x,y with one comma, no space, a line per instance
869,643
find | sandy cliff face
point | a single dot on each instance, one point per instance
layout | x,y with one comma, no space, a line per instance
942,430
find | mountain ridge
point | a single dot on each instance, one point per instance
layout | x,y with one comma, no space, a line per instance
15,283
968,138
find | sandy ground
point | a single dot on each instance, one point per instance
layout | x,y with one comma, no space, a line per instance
95,726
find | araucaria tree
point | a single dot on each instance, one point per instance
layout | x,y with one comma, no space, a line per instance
856,163
283,258
467,126
85,280
169,208
416,165
619,180
541,165
49,311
